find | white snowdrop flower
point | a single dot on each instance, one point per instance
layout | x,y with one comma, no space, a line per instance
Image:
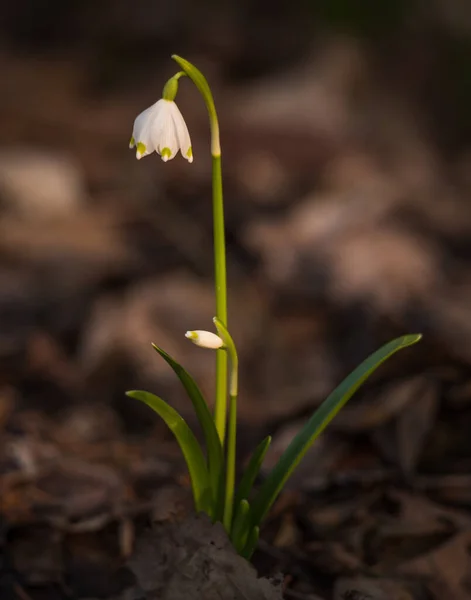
205,339
161,128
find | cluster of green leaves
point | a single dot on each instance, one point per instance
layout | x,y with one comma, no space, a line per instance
207,470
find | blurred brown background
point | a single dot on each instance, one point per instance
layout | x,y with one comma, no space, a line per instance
346,137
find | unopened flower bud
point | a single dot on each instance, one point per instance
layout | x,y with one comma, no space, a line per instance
205,339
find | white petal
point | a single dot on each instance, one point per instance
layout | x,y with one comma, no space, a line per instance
142,131
141,120
183,136
164,135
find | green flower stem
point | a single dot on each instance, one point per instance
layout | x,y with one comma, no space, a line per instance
230,464
219,240
221,296
232,425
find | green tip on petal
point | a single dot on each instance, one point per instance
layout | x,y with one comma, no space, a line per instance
189,154
140,150
166,153
132,142
191,335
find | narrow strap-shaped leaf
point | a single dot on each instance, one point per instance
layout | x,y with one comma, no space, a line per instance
189,445
241,525
291,457
213,444
252,470
251,544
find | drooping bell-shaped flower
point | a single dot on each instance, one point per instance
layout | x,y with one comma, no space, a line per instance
205,339
162,128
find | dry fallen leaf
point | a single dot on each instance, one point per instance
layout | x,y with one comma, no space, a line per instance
448,566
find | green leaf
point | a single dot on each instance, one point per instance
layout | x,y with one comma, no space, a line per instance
252,470
289,460
251,543
240,526
242,521
213,443
189,445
